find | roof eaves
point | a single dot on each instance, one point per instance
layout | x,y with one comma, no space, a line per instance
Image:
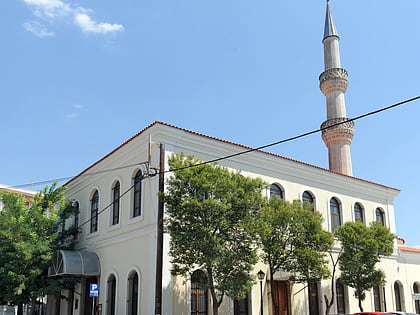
227,142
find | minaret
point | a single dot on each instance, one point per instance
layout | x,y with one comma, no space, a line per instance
333,84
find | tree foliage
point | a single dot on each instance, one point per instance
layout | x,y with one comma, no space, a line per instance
29,235
292,241
362,248
208,208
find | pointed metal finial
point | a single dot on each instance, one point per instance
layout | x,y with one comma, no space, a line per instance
329,28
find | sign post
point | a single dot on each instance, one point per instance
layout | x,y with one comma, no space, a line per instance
94,292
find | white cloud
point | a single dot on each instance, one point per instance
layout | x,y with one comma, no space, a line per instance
72,116
37,29
89,26
51,10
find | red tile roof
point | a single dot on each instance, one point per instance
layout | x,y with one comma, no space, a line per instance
409,249
224,141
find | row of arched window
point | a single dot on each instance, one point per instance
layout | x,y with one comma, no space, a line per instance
336,216
136,210
379,298
133,296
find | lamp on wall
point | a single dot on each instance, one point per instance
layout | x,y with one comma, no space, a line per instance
261,276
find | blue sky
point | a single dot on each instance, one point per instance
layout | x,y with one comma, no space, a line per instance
78,78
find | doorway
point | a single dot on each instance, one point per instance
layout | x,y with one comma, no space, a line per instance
281,293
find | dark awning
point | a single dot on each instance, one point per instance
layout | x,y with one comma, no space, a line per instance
71,263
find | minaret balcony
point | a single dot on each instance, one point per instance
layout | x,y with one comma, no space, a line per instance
334,79
338,130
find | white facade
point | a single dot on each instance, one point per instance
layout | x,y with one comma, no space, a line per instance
130,246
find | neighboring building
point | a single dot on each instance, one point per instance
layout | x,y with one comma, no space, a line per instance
121,247
27,194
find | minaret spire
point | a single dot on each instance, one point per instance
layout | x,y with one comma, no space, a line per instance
333,84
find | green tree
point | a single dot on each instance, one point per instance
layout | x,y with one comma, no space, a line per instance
292,241
207,209
362,248
29,235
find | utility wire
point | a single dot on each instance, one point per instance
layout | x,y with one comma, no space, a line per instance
70,177
298,136
255,149
234,154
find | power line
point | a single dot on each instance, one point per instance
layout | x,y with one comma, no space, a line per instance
238,153
70,177
301,135
259,148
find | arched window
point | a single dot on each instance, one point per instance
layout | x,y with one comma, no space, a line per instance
133,293
111,295
313,299
416,290
94,205
341,299
240,306
378,299
380,217
398,299
116,203
137,194
276,191
358,213
199,298
76,216
335,212
308,198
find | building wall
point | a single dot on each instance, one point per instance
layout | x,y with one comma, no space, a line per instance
131,245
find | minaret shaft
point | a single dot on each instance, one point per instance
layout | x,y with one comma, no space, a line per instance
337,130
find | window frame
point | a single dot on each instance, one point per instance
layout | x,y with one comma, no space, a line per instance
94,209
360,209
335,223
340,297
278,192
380,213
133,298
310,200
197,290
116,203
111,295
136,210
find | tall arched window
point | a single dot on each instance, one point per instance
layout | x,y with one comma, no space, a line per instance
313,299
308,198
116,203
398,299
380,217
335,212
94,205
416,290
341,299
76,216
137,194
377,299
133,294
358,213
111,295
199,298
276,191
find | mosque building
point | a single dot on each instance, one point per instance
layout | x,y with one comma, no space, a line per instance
123,249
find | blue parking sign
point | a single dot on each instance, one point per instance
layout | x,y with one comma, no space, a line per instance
94,290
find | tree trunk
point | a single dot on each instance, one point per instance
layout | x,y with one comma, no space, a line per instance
215,303
360,304
273,296
20,309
